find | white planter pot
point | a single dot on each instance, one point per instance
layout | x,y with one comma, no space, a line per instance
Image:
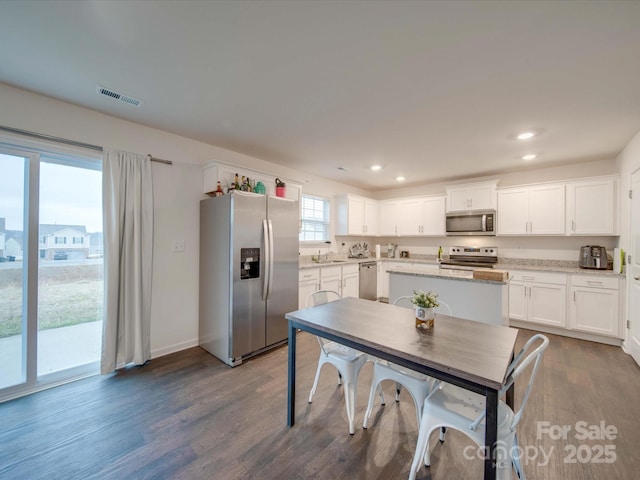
424,317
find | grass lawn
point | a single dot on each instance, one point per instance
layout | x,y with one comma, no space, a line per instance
67,295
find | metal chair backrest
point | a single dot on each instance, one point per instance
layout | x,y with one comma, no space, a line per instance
318,298
520,363
321,296
405,301
517,366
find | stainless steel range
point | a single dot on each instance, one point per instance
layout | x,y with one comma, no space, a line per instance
471,258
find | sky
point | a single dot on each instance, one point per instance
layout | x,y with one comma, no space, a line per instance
68,195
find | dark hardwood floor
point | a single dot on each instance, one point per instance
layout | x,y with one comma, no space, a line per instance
188,416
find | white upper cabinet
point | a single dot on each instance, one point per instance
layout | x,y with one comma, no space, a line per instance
410,217
371,216
535,210
433,216
591,207
472,196
389,212
421,216
356,215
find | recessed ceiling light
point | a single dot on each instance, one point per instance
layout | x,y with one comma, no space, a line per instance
531,156
400,179
525,135
375,168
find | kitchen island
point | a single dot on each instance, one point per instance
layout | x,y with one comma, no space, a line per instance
469,298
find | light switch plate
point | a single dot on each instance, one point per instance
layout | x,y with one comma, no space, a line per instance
178,246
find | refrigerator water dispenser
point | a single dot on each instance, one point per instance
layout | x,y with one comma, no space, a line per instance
249,263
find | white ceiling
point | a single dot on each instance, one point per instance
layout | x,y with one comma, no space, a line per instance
430,90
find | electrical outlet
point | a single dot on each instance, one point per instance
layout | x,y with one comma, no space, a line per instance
178,246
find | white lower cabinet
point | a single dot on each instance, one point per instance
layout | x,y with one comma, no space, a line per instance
383,280
594,305
538,297
383,277
583,304
344,279
350,280
331,278
308,282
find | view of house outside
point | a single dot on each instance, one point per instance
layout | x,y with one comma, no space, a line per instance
70,266
70,283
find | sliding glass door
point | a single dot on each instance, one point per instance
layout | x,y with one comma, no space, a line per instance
13,326
51,269
70,274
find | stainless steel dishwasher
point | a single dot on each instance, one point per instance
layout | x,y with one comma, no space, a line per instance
368,281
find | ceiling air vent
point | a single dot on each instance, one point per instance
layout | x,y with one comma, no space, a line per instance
118,96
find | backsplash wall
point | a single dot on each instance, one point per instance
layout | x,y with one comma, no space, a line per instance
540,248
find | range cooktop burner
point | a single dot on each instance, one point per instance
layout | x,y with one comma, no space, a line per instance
469,258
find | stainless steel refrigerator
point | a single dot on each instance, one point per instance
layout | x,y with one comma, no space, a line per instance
248,273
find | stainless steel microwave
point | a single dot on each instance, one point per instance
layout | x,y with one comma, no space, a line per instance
478,222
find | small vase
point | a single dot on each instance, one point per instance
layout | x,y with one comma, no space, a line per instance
424,318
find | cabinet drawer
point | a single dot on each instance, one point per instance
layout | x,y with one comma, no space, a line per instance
308,274
351,268
595,281
538,277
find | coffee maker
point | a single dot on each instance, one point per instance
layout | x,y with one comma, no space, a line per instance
593,256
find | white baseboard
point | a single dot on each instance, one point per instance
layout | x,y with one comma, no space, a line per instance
161,352
616,342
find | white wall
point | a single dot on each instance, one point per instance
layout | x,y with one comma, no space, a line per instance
177,193
549,248
627,162
589,168
543,248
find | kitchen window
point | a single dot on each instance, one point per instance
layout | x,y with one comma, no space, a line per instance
314,218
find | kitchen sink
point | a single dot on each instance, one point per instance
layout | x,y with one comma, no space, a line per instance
329,262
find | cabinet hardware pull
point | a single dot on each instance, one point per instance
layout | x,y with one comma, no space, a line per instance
636,278
591,282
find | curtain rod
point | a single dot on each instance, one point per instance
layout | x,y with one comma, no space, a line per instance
89,146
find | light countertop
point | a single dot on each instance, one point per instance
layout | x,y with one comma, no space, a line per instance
507,264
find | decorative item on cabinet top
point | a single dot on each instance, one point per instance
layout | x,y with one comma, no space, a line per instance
261,182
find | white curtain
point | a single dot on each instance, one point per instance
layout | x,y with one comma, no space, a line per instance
128,245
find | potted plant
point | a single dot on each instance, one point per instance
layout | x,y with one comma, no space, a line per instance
424,302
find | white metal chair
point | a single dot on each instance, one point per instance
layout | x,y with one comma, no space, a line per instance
417,384
451,406
346,360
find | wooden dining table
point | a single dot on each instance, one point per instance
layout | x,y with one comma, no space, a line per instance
472,355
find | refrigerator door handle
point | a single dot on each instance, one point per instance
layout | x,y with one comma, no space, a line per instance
267,260
270,258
